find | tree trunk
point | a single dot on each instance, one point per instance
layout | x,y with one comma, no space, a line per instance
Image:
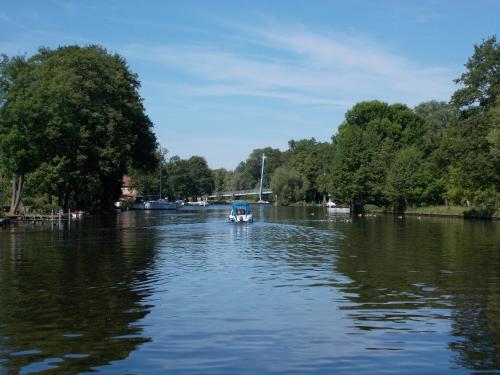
17,190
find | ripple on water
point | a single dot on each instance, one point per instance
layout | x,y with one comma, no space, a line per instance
291,293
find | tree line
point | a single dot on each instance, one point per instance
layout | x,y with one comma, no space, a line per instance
395,156
72,124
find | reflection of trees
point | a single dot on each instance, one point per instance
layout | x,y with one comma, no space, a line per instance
396,276
74,296
431,264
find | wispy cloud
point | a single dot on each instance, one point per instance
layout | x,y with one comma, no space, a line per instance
300,66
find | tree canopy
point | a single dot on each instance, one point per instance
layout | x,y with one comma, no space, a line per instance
74,118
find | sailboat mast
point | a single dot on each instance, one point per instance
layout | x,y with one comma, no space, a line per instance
161,167
262,176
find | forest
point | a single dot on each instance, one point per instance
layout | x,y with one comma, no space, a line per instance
70,129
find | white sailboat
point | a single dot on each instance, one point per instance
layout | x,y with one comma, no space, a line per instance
162,203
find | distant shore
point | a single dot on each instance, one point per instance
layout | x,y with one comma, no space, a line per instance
443,211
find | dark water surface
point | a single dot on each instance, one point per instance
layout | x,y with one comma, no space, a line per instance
296,292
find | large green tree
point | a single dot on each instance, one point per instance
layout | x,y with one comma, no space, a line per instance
475,163
288,185
313,160
22,144
367,142
222,180
75,117
190,178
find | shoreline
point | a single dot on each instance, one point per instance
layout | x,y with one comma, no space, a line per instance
442,211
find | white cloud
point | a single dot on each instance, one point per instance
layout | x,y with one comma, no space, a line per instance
300,66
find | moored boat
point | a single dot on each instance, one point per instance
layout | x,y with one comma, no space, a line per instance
160,204
77,214
330,204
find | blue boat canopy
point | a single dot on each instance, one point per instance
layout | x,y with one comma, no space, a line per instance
241,205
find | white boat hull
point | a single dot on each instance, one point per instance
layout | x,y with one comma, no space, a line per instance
241,218
339,210
160,205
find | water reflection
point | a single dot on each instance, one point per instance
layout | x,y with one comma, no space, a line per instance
434,276
74,299
297,291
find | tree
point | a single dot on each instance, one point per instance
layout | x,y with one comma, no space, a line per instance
403,181
475,166
222,180
202,177
247,173
438,117
190,178
365,147
75,113
288,185
481,81
21,142
313,160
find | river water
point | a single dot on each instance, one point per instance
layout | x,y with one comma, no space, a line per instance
299,291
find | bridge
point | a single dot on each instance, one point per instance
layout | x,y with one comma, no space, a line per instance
240,193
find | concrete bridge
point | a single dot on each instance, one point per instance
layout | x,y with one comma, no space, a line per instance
240,193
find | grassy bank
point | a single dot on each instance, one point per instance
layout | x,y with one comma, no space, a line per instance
453,211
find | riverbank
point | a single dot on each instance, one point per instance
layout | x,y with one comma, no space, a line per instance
445,211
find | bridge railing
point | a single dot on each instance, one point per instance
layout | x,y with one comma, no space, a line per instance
238,193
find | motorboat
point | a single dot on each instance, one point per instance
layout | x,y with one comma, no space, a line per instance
240,213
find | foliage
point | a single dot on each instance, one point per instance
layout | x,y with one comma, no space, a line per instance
474,147
312,160
222,180
481,81
288,185
74,117
366,144
404,180
247,174
189,178
72,123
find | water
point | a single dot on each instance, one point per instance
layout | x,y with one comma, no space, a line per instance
296,292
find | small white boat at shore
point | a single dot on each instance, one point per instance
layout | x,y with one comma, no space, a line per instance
77,214
338,210
330,204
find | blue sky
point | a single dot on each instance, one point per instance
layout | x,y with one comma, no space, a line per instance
220,78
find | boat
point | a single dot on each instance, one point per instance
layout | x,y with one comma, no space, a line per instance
338,210
198,203
240,213
77,214
160,204
330,204
157,204
138,204
332,208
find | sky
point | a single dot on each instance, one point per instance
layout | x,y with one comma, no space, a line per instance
221,78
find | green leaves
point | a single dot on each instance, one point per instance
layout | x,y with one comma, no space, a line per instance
481,81
288,185
80,104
